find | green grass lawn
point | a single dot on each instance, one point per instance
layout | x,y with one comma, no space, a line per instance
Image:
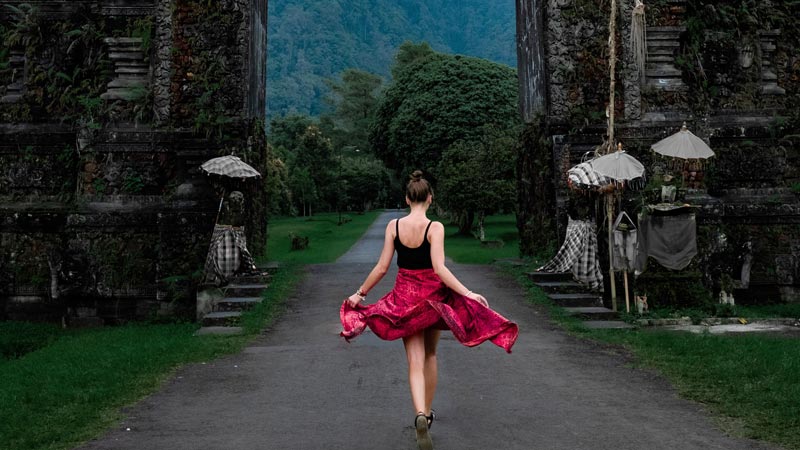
71,384
469,250
327,239
748,381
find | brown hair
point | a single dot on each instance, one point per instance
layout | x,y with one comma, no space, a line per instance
418,188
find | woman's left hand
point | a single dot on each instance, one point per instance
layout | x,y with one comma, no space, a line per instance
478,298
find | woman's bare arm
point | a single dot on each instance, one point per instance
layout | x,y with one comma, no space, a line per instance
436,238
380,268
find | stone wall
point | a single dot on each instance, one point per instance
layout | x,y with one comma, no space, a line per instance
105,215
737,87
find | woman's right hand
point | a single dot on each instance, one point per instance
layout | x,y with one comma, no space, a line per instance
354,300
478,298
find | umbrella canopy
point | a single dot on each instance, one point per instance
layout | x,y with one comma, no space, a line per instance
583,176
229,166
618,166
683,144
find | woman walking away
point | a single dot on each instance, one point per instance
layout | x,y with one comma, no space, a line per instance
426,298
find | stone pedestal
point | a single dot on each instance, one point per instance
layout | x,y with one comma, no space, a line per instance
769,80
131,72
662,47
16,89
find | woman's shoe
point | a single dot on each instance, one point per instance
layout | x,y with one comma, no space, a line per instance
423,436
430,418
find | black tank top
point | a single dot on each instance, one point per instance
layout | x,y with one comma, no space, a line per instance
413,258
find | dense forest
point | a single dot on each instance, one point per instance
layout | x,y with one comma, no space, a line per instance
314,40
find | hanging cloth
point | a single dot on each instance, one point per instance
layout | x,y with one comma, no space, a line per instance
578,254
626,240
669,239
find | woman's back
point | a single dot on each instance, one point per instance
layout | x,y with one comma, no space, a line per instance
411,242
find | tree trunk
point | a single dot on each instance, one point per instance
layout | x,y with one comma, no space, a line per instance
481,217
465,223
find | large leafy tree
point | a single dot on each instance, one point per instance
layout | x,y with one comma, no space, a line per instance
476,176
354,100
436,100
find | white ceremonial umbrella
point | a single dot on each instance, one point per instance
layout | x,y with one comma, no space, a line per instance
618,165
684,145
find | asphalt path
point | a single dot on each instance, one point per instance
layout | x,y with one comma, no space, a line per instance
300,386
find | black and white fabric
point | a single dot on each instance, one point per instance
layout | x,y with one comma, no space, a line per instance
583,175
578,254
227,254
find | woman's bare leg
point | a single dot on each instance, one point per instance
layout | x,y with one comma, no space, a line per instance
415,352
431,369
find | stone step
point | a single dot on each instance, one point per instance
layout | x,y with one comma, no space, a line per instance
666,84
661,58
662,71
592,313
654,30
127,82
244,290
654,43
577,300
251,279
237,303
123,40
221,318
219,331
270,267
132,70
538,277
607,325
561,287
653,52
135,56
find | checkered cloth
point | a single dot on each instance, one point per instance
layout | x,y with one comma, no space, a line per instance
579,254
227,254
584,176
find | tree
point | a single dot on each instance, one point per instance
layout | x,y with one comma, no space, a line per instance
303,189
276,183
366,180
286,131
476,176
439,100
354,100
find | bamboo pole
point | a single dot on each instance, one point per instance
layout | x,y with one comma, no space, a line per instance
612,65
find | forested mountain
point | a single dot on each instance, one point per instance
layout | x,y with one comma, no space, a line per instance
311,40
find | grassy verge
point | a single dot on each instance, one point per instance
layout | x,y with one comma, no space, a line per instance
748,381
327,239
468,250
72,387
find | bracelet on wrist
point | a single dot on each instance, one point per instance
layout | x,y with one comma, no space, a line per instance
467,294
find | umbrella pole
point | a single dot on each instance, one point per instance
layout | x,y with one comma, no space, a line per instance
609,212
219,208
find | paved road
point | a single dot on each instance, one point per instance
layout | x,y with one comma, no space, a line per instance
299,386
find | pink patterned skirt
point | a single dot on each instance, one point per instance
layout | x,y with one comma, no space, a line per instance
420,300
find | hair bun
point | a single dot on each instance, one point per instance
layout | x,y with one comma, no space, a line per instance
416,175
